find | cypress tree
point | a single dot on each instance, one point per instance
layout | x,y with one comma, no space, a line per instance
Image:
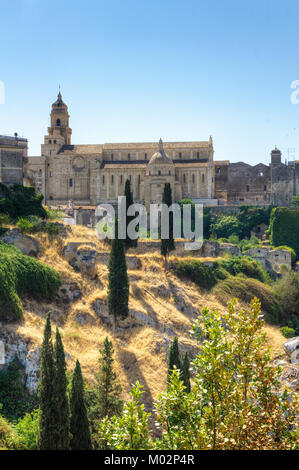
186,372
167,245
108,389
47,424
62,419
129,201
118,283
174,357
79,425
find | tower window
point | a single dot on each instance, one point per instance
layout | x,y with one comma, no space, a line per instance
121,179
71,182
138,179
193,179
265,188
248,188
112,179
180,154
169,172
197,155
54,141
184,178
129,156
103,179
203,178
50,141
145,156
159,172
130,178
58,123
218,171
112,156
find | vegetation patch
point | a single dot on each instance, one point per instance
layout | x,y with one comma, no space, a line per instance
21,274
34,224
284,228
198,272
21,201
245,265
245,289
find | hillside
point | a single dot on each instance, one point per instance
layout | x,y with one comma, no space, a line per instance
162,306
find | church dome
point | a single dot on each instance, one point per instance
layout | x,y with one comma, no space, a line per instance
160,157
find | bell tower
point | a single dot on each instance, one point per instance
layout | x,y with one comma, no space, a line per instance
59,133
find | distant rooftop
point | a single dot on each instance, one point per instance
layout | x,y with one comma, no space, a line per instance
13,141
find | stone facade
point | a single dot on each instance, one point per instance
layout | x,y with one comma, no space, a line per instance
13,152
93,174
88,175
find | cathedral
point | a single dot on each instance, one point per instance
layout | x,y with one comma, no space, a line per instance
88,175
94,174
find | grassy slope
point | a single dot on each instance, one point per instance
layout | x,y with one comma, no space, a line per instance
140,351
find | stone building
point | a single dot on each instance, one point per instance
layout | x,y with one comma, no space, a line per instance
241,183
13,152
87,175
93,174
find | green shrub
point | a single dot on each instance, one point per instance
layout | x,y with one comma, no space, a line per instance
246,289
246,265
287,332
248,244
198,272
27,431
19,201
6,433
286,290
53,214
21,274
33,224
225,225
284,228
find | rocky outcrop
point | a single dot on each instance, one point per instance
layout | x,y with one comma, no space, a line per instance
133,262
83,257
28,245
15,346
69,292
270,259
213,249
291,348
83,318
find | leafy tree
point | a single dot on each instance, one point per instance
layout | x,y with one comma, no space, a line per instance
79,425
118,287
47,418
225,225
129,201
27,431
186,372
174,357
236,401
167,244
62,419
130,430
18,201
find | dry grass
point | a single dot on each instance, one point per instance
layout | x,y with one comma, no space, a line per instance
140,352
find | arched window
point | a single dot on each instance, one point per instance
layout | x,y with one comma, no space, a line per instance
180,154
138,179
112,179
184,178
129,156
193,179
159,172
71,182
112,156
203,178
169,172
121,179
197,155
50,141
103,179
58,123
145,156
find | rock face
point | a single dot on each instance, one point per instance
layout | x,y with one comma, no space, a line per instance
213,249
291,348
133,262
28,245
69,292
16,346
83,257
270,259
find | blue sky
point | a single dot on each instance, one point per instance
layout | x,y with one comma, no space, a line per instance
141,70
